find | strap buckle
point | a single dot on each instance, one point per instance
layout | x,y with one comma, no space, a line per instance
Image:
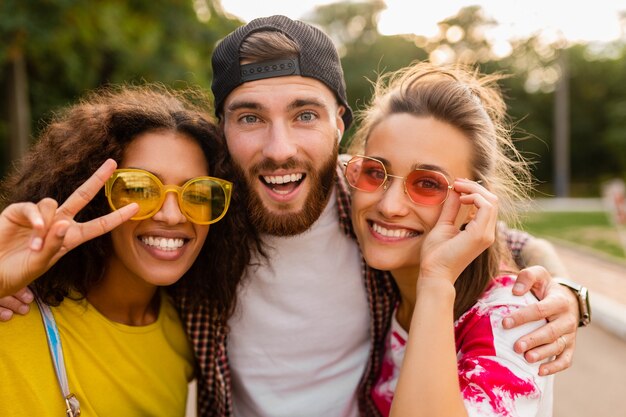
72,406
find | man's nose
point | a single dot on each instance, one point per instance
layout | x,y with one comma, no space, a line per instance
281,145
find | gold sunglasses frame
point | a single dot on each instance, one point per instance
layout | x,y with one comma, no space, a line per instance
385,183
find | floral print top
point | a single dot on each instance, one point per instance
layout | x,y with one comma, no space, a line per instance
494,379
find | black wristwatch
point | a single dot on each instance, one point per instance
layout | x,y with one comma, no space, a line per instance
583,299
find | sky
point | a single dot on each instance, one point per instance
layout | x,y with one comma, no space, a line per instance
586,21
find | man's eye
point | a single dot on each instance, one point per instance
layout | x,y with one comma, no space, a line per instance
249,118
307,116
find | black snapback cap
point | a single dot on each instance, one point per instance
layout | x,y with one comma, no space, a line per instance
317,59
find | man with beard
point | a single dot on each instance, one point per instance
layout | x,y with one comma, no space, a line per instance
307,334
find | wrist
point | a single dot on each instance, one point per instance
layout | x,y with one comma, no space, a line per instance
582,295
439,285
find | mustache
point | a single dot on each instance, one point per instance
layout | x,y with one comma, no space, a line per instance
269,165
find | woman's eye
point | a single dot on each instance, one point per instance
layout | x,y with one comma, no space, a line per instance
375,173
141,192
197,198
427,183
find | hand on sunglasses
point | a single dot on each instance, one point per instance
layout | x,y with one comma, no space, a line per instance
448,249
34,236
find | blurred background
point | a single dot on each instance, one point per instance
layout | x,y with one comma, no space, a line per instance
566,93
567,88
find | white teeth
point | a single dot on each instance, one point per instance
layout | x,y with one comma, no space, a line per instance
282,179
395,233
163,243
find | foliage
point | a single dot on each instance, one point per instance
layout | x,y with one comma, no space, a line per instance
74,46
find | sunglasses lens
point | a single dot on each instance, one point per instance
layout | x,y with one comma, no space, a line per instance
135,187
204,201
428,188
365,174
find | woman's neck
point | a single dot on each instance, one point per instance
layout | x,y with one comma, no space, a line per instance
406,280
125,300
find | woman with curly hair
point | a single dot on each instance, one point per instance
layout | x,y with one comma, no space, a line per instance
99,272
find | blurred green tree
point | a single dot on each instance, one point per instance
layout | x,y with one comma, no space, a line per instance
597,93
53,51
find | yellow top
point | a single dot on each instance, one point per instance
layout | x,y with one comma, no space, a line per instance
113,369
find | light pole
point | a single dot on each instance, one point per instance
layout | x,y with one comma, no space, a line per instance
561,128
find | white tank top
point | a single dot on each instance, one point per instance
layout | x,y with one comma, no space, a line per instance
299,340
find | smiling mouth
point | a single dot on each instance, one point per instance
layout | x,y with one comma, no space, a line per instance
283,184
163,243
397,233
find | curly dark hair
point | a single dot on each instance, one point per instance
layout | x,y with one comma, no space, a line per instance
81,137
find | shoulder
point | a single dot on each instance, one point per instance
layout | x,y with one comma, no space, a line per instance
494,379
500,292
21,327
480,329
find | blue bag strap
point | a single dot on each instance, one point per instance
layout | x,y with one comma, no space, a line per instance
54,343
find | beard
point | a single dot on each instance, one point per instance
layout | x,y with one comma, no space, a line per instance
289,223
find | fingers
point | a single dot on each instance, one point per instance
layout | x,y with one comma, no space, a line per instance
5,314
105,224
558,304
554,338
36,217
10,305
557,337
450,209
46,210
534,277
51,246
524,315
562,361
544,335
559,354
88,190
25,295
486,215
486,209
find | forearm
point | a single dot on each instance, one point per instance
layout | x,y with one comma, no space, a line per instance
428,384
537,251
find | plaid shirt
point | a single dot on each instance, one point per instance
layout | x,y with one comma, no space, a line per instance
209,335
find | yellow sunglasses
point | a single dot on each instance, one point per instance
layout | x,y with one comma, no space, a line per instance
203,200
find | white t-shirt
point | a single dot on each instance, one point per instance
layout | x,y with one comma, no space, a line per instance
299,339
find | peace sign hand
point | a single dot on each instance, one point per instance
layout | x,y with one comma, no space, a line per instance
34,236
